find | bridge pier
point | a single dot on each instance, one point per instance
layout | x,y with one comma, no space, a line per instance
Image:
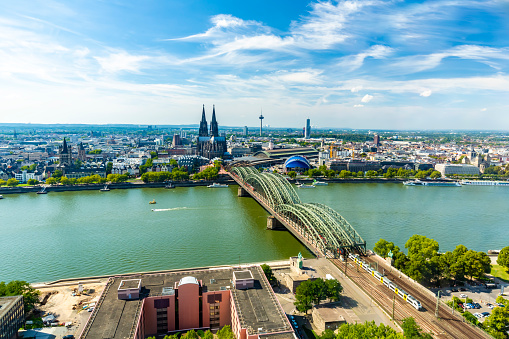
242,192
274,224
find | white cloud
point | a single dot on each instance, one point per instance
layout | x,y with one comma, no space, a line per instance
355,61
484,109
121,61
425,93
356,89
367,98
358,105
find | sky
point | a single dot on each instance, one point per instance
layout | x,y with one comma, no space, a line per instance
370,64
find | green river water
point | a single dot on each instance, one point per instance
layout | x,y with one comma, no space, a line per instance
76,234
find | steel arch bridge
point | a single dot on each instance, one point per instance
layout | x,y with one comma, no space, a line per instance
323,227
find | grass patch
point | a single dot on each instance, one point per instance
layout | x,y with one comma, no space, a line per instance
500,272
310,333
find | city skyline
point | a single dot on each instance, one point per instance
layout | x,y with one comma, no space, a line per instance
346,64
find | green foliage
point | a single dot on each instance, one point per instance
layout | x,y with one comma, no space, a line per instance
176,174
327,334
109,167
171,336
65,181
31,182
18,287
174,163
96,178
503,257
207,335
367,330
143,168
57,174
117,177
30,168
153,155
412,330
3,182
382,248
502,300
12,182
345,174
225,333
190,335
96,151
371,173
208,173
292,174
314,172
269,274
313,292
51,181
435,175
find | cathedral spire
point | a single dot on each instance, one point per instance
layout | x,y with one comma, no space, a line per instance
214,130
203,125
64,147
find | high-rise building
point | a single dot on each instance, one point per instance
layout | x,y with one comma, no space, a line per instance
246,131
261,122
176,140
307,130
376,140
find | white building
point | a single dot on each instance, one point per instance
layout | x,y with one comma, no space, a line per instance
461,169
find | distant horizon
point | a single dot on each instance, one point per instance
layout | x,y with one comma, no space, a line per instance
254,129
379,64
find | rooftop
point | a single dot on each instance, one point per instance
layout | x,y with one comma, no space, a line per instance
257,307
6,303
129,284
241,275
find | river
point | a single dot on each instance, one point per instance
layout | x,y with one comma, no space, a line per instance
74,234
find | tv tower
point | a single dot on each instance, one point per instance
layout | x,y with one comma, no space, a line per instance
261,122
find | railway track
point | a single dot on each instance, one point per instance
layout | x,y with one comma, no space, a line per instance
446,326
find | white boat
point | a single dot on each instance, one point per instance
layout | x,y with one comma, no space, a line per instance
418,182
104,189
217,185
320,183
484,183
1,196
306,186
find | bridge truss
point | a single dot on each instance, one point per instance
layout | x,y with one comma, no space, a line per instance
323,227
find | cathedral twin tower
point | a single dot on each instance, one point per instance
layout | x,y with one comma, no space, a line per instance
210,145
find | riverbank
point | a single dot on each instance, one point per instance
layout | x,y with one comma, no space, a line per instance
190,183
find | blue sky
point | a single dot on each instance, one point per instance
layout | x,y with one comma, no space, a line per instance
360,64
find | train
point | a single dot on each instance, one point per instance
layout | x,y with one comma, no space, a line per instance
385,281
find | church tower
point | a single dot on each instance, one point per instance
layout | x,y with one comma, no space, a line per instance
65,155
203,125
82,155
214,130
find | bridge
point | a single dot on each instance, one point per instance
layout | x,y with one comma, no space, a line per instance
324,231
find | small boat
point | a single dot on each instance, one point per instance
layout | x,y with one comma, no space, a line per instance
306,186
168,186
1,196
104,189
320,183
152,202
217,185
43,190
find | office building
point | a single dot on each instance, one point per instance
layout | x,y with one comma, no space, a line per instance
12,316
307,129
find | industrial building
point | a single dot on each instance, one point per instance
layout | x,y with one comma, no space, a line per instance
157,304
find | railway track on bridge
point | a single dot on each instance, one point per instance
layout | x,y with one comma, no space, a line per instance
446,326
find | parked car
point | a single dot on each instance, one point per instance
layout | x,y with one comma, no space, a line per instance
69,336
478,315
501,305
463,295
469,305
476,305
486,314
490,305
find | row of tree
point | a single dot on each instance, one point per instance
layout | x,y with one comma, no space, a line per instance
372,330
425,264
18,287
224,333
176,175
390,173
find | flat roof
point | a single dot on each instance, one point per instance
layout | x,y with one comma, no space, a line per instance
6,303
129,284
257,307
242,275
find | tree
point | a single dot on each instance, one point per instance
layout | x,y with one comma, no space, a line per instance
476,263
31,182
109,167
269,274
12,182
382,248
368,330
314,172
435,175
57,174
51,181
371,174
313,292
3,182
174,163
292,174
497,323
190,335
345,174
304,296
65,181
153,155
225,333
334,289
18,287
412,330
503,257
208,335
421,175
420,265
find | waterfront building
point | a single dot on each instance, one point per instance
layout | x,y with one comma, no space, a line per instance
460,169
12,316
158,304
210,145
296,163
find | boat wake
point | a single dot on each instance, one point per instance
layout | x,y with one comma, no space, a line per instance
169,209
